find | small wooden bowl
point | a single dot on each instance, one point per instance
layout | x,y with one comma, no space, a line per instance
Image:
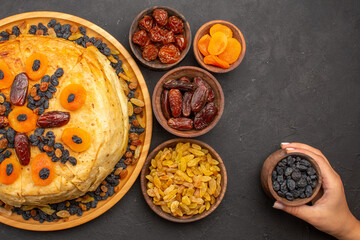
157,209
204,29
156,64
266,177
190,72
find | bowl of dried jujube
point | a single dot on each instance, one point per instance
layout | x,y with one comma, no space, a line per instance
188,101
293,179
183,180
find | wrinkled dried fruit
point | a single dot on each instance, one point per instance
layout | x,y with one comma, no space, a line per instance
22,148
169,54
175,100
156,34
175,24
199,98
140,37
19,89
186,104
165,105
168,37
4,122
205,116
161,16
181,85
146,23
201,82
150,52
181,42
181,123
53,119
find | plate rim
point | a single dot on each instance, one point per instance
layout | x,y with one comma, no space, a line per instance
110,202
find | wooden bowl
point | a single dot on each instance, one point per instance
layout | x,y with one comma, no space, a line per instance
204,29
156,64
157,209
190,72
266,178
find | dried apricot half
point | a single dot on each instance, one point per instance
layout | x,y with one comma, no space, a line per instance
221,28
232,51
218,43
203,44
73,96
77,139
9,171
22,119
42,170
216,61
6,76
36,66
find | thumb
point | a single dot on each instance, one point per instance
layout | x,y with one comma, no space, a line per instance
303,212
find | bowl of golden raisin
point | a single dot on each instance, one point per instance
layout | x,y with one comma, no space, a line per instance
183,180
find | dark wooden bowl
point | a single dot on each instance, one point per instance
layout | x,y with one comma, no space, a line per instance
266,181
157,209
190,72
204,29
156,64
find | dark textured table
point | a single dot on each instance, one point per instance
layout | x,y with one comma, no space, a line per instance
299,81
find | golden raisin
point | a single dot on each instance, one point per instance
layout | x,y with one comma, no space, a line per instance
123,173
44,86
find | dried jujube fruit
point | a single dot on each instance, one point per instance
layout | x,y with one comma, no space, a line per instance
186,104
53,119
19,89
181,123
199,98
165,105
205,116
175,100
22,148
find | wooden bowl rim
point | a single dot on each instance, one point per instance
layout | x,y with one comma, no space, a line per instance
130,179
298,201
162,120
157,65
157,209
199,57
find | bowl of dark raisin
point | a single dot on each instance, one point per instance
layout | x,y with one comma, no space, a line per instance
160,37
293,179
188,101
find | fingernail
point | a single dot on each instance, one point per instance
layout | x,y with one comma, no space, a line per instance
289,149
284,143
278,205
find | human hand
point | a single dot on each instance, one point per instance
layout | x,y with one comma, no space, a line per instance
330,213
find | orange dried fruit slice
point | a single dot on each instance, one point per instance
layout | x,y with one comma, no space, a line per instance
216,61
6,76
36,66
42,170
9,171
221,28
73,96
232,51
217,44
203,44
77,139
22,119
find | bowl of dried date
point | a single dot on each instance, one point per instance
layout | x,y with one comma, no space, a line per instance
293,179
160,37
188,101
219,46
183,180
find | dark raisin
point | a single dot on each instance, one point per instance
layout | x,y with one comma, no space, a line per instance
55,159
289,196
107,51
288,171
65,155
45,78
65,28
73,161
46,104
33,138
66,35
48,94
42,27
280,170
283,187
41,146
58,146
82,30
59,72
59,34
311,171
36,65
57,27
9,169
274,175
51,142
50,154
296,175
71,98
305,162
302,182
7,154
97,43
291,184
21,117
308,191
76,139
39,131
44,173
302,167
276,186
15,31
280,178
10,135
51,23
51,88
50,134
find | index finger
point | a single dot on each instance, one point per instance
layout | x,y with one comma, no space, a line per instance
304,146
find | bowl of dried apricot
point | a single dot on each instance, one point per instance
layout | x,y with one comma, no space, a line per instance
160,37
219,46
183,180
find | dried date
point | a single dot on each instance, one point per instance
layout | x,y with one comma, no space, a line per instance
201,82
161,16
175,24
185,79
22,148
180,41
169,54
165,105
150,52
186,104
53,119
140,38
181,123
175,100
205,116
146,23
199,98
181,85
19,89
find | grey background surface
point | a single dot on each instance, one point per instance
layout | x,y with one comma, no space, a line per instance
299,81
